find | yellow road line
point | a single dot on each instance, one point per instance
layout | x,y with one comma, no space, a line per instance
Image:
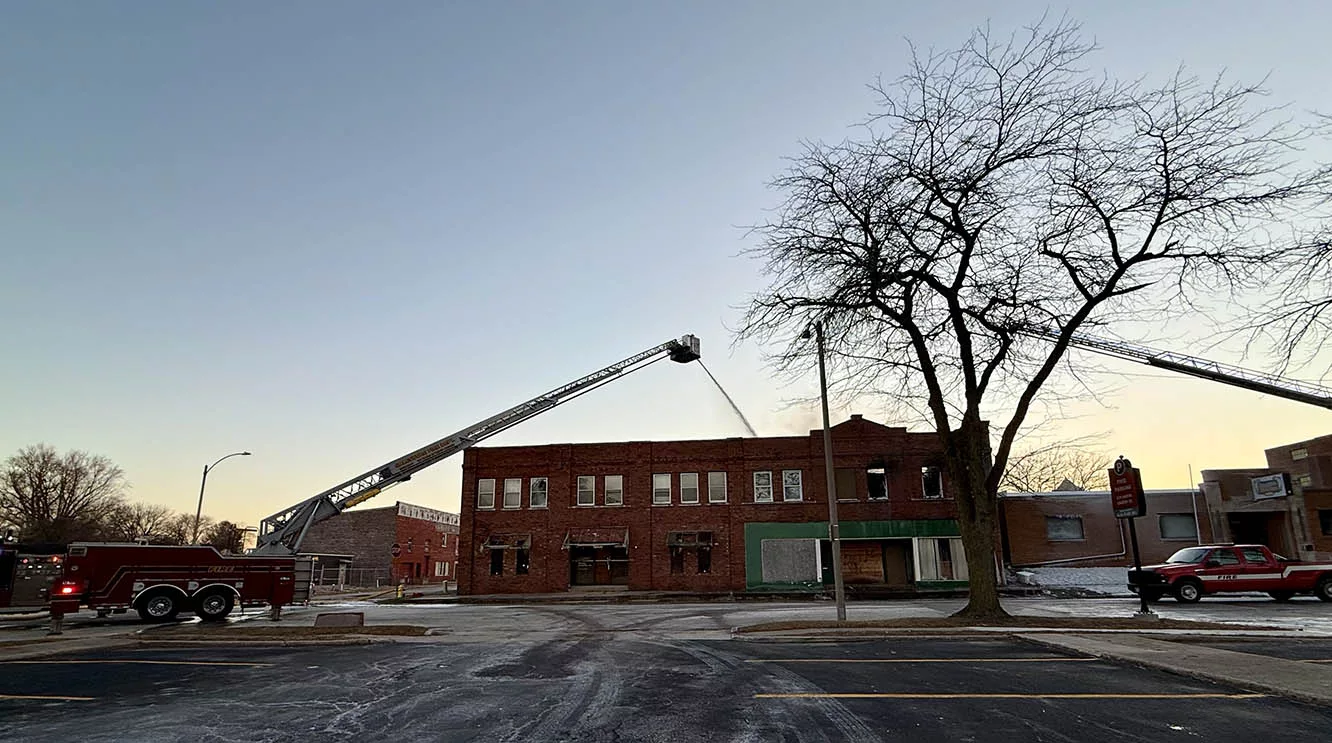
246,664
819,695
46,697
924,660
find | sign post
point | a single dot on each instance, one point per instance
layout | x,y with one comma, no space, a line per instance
1128,502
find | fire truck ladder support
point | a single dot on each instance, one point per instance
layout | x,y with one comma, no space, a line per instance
1268,384
283,532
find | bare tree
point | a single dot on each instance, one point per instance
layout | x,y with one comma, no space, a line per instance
1046,468
999,187
226,536
133,521
180,529
55,497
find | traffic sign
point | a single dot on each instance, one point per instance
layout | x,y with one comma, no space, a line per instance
1126,497
396,549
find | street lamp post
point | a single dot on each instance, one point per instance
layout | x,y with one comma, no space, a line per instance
202,484
834,528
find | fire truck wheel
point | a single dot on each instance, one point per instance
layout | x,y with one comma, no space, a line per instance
1324,589
158,606
214,605
1188,591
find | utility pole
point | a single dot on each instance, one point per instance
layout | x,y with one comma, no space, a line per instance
834,529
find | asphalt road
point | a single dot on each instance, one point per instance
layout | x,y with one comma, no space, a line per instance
609,688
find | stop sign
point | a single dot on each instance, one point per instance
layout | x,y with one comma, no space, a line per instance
395,550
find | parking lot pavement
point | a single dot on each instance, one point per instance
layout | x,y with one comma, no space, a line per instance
604,689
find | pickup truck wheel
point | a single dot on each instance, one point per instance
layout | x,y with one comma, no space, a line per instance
158,606
1188,591
214,605
1281,596
1324,589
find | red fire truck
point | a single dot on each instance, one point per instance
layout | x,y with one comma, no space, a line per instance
160,582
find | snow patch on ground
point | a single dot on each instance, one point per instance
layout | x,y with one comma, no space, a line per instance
1107,581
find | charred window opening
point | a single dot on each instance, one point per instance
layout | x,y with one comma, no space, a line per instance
876,478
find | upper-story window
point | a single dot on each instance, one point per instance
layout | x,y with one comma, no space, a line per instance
876,478
793,488
762,487
614,490
587,490
716,487
485,494
513,493
661,489
537,492
931,482
689,487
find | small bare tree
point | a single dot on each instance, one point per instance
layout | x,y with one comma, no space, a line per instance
55,497
1001,187
226,536
1045,468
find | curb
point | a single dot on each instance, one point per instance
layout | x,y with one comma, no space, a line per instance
261,643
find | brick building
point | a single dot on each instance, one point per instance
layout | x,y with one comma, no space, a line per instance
1286,505
1079,528
709,516
426,543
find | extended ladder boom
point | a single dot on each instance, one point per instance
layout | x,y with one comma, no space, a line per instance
1269,384
282,533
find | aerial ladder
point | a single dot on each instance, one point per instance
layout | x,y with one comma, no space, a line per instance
283,532
1268,384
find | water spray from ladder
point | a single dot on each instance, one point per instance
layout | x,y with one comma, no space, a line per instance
734,407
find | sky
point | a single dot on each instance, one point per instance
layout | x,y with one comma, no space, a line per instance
331,232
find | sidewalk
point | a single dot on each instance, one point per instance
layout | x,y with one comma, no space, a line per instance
1307,682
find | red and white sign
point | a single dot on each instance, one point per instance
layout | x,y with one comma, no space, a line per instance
396,549
1126,497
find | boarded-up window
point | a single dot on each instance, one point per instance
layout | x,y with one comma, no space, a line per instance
846,483
790,560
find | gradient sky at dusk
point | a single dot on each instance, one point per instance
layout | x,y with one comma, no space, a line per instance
329,232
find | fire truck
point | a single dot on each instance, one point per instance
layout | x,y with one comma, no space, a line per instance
160,582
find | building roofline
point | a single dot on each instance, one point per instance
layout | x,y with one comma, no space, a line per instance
1096,493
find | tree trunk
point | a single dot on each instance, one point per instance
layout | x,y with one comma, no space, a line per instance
968,452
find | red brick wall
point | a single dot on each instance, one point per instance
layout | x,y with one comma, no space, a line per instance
1316,500
424,543
1025,518
856,444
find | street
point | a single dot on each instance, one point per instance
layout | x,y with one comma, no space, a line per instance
644,672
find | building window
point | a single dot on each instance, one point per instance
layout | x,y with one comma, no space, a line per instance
485,494
698,542
661,490
931,483
587,494
439,569
940,559
1063,528
793,489
1325,521
762,487
877,480
716,487
1298,454
513,493
522,560
689,487
497,562
537,490
446,570
614,490
1178,526
1305,480
444,539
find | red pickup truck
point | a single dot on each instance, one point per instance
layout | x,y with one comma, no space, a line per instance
1229,568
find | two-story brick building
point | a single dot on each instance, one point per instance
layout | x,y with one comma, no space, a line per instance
402,543
709,516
